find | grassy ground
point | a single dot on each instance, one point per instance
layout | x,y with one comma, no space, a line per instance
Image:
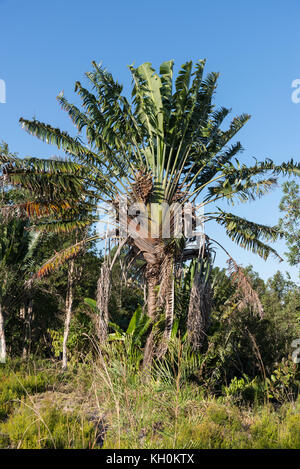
113,406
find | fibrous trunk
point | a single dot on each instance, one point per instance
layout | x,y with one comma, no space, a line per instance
2,338
199,311
160,284
69,304
166,302
27,314
103,292
152,278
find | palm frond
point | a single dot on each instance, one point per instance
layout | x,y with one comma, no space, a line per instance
248,234
61,257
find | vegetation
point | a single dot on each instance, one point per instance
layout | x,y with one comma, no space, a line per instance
108,404
141,341
291,222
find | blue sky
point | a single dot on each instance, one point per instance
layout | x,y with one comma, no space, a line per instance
46,46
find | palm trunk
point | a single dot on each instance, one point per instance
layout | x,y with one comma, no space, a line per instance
160,277
27,336
69,304
169,320
23,318
2,338
166,301
199,311
103,292
152,284
152,278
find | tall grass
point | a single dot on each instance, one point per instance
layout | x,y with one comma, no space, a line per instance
112,403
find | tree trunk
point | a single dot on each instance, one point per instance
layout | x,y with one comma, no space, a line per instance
199,311
160,283
27,336
152,278
166,301
103,292
69,304
152,299
169,320
2,338
23,317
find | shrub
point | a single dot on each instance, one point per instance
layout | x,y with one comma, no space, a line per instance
245,390
284,382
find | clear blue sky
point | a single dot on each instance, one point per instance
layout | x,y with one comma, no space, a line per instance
46,46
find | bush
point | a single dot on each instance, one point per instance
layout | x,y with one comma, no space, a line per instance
245,390
284,382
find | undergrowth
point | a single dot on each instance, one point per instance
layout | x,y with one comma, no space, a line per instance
110,403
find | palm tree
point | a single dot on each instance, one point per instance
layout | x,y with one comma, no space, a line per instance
17,251
165,147
20,247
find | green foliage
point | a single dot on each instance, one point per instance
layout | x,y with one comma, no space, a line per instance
15,385
78,343
290,224
290,433
284,383
48,428
246,390
133,337
137,328
281,300
138,410
56,341
174,413
171,131
220,398
244,350
126,292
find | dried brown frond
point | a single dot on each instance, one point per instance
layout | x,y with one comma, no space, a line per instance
248,296
60,258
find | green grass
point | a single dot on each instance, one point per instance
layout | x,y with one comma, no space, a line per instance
18,380
49,428
110,403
